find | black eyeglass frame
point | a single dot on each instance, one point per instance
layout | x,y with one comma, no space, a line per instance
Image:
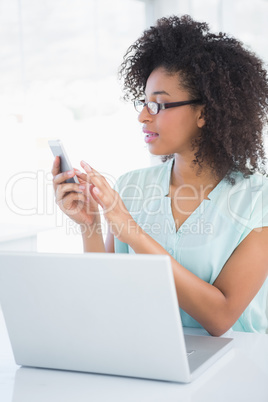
162,106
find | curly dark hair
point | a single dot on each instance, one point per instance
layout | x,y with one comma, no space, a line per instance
230,80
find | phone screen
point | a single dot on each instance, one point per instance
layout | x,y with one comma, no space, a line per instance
57,149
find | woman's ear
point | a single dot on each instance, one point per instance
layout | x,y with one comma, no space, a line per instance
200,117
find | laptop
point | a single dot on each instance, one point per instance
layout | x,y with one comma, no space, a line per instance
113,314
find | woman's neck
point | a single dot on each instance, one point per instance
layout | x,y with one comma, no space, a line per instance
184,173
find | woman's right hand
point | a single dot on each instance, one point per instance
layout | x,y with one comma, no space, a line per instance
75,200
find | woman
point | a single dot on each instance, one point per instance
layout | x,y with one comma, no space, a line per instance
202,101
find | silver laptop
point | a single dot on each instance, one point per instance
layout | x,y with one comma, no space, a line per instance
114,314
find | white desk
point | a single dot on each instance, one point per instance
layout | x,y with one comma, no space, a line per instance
241,375
18,237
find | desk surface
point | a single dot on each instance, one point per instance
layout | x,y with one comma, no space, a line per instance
241,375
9,231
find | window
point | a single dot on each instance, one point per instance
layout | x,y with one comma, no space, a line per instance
58,79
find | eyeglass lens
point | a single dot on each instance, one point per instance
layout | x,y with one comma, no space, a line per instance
151,106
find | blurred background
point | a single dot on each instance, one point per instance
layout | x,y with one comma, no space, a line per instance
59,61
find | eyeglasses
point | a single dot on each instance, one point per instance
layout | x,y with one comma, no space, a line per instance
154,107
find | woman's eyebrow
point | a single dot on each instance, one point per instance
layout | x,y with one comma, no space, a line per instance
159,93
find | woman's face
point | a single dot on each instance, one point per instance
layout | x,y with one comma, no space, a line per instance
171,131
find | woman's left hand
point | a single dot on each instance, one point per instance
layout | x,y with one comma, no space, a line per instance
115,212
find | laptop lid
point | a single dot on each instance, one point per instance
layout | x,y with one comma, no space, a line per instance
95,312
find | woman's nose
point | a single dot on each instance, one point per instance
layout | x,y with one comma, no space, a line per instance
144,115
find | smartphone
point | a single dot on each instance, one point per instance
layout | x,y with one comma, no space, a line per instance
57,149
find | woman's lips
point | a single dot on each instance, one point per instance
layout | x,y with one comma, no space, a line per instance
150,136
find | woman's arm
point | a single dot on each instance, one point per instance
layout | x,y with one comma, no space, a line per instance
93,240
216,307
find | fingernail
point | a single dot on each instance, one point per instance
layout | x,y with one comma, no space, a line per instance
70,172
96,190
82,187
85,163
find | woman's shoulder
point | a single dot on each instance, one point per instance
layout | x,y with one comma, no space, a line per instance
246,201
256,182
245,191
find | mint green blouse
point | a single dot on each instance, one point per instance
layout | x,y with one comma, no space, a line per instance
208,237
